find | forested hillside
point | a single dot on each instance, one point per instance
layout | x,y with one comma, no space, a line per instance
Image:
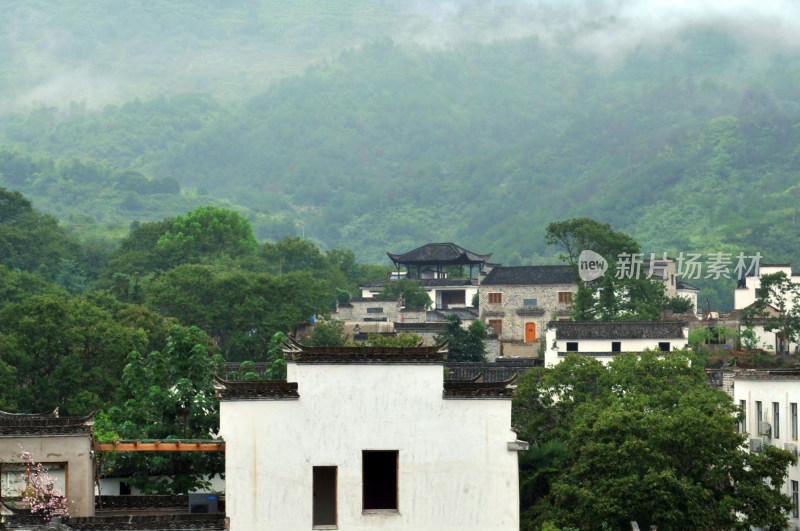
411,125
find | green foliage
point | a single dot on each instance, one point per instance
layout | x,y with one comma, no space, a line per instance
644,439
328,333
464,345
631,297
207,233
169,395
65,352
241,310
411,294
403,339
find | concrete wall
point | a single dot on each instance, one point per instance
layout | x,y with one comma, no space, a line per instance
513,312
72,450
784,392
455,471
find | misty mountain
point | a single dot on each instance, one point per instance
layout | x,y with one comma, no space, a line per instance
472,122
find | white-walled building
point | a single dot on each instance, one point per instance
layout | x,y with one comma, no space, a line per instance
369,438
604,340
770,400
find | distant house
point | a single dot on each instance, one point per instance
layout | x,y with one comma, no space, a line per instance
603,340
369,438
62,444
427,265
746,295
517,302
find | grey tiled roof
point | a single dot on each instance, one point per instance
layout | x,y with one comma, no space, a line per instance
529,275
439,253
498,371
680,284
617,329
13,424
425,282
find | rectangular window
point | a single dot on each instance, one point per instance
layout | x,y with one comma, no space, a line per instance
375,309
529,302
758,417
565,297
616,346
324,509
743,423
495,298
572,346
776,421
663,346
496,326
380,479
795,499
794,420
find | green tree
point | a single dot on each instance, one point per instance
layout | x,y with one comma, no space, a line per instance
464,344
169,395
647,440
412,295
403,339
328,333
66,352
607,298
777,290
207,233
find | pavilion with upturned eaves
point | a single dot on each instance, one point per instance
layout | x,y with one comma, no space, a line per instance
427,265
433,257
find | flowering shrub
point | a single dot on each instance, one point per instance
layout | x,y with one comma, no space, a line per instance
40,494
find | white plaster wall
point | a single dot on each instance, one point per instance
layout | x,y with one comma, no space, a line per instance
689,294
455,469
784,392
551,355
744,297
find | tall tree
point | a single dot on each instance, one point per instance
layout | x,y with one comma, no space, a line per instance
464,344
647,440
169,395
627,296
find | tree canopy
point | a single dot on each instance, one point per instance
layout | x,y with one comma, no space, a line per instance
644,439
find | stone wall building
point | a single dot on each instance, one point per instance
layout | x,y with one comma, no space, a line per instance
518,302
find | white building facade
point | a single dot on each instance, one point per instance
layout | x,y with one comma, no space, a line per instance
369,438
604,340
770,401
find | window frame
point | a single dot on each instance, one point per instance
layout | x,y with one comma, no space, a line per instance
776,420
793,412
495,297
364,483
743,422
572,346
565,297
795,499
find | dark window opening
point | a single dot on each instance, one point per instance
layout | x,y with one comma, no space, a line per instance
324,510
663,346
375,310
572,346
380,479
616,346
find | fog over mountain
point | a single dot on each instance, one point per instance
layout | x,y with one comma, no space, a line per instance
106,52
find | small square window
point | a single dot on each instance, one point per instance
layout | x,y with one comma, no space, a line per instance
495,298
663,346
380,479
572,346
529,302
616,346
565,297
